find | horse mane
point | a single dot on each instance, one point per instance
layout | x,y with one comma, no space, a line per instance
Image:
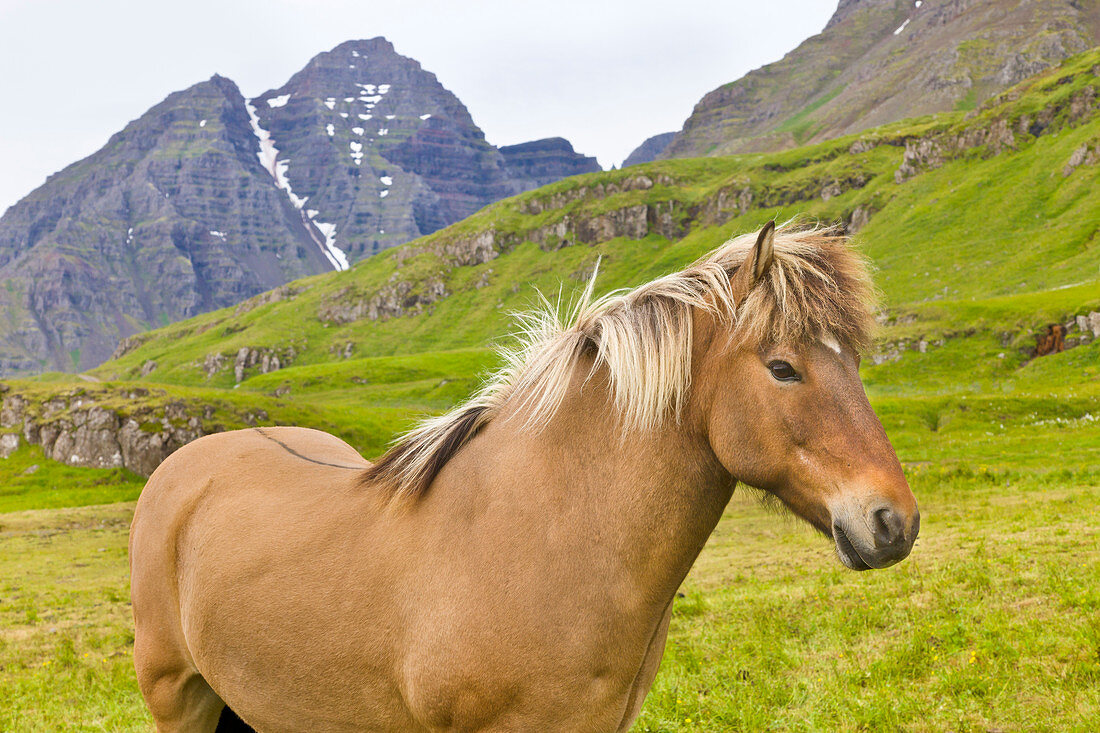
817,287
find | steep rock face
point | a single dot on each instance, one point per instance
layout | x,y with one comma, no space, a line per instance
540,162
383,153
650,149
878,61
172,217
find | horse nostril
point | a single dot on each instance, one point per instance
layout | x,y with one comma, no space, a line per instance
888,528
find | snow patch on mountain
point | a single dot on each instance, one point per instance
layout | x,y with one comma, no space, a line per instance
323,234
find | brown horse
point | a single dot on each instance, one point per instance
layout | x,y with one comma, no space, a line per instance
512,564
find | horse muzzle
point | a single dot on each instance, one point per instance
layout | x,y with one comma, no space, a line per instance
877,537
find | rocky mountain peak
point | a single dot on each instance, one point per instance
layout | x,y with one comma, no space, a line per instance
378,44
649,149
172,217
846,9
377,151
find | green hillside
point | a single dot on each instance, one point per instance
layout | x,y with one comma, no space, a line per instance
877,61
990,235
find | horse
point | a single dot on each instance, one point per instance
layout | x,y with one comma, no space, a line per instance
512,564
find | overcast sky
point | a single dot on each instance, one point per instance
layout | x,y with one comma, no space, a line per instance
605,75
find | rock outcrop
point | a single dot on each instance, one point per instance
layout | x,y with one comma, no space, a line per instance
398,298
248,359
1087,154
994,136
1076,331
1052,338
75,429
264,360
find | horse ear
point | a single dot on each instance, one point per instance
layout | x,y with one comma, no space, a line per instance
763,254
757,262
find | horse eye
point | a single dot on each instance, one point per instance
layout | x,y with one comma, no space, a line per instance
783,371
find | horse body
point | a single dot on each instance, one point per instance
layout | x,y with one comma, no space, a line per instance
503,600
525,581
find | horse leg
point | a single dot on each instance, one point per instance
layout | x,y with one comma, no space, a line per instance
180,701
648,672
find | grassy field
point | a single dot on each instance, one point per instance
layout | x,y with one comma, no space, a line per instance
993,623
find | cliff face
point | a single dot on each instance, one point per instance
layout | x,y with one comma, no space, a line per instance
210,198
878,61
384,153
380,149
173,217
540,162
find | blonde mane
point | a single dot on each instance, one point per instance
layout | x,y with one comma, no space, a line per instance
816,288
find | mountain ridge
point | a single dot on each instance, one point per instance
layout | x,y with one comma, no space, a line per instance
878,61
209,198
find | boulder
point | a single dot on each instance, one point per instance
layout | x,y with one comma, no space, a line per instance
9,443
12,411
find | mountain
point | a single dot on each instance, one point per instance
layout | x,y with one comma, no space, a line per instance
960,285
989,322
540,162
650,149
174,216
210,198
878,61
384,153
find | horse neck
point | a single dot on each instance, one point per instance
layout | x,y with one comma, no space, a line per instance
649,500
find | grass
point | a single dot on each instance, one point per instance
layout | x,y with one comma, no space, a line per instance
65,627
29,480
992,623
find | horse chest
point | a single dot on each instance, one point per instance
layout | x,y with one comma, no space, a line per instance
535,673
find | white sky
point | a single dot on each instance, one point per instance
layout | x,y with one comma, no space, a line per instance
605,75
